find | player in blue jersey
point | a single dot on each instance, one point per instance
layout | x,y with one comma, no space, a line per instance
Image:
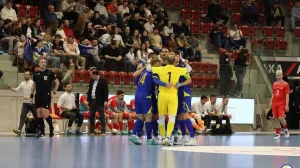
143,103
184,104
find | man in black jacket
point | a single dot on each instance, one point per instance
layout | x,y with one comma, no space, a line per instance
225,72
274,13
215,12
97,98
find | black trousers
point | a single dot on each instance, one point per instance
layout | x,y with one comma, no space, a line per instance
219,120
221,16
72,116
26,107
225,79
207,121
271,18
96,107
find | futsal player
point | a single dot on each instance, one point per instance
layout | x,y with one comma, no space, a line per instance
143,103
167,78
42,85
280,104
27,106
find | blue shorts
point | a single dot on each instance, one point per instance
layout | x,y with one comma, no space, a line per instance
184,104
143,105
154,106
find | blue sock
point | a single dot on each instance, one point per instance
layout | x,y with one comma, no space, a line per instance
140,133
138,126
182,127
175,131
149,129
155,127
189,125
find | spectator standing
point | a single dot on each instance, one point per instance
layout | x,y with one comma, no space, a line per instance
240,65
215,12
82,20
51,19
113,11
195,44
225,72
102,10
7,12
274,13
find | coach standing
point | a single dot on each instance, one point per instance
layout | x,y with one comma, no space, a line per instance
42,85
97,98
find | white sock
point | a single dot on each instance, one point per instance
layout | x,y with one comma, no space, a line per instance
69,128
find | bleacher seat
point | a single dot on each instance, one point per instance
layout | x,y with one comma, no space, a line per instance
267,31
257,44
85,76
270,44
205,67
236,6
297,32
114,78
225,5
255,31
22,11
186,13
187,4
55,116
213,68
197,67
196,4
245,30
225,29
131,79
194,82
177,3
204,4
200,82
261,19
205,28
236,18
279,32
215,82
125,79
168,3
281,45
206,82
259,7
77,76
32,11
195,27
196,15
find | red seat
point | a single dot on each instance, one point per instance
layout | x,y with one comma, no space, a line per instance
297,32
255,31
125,78
281,45
196,15
85,76
187,4
259,7
225,29
225,5
261,19
105,75
267,31
257,44
196,4
168,3
236,18
279,32
131,79
195,27
270,44
32,11
114,78
205,67
186,14
232,84
200,81
245,30
213,68
236,6
207,82
205,28
197,67
77,76
22,11
204,4
177,3
289,6
215,82
193,84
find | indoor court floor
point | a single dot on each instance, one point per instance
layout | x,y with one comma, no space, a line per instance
236,151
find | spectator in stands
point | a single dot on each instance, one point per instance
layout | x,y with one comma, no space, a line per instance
51,19
68,31
194,42
127,39
225,72
218,37
136,39
71,48
215,12
67,68
113,58
187,28
49,51
240,65
124,8
100,62
222,113
172,44
17,30
20,51
132,8
179,28
155,40
113,11
237,40
8,12
68,109
82,20
142,54
116,36
6,36
250,14
295,14
68,9
60,31
37,31
188,51
167,30
274,13
105,39
149,25
144,36
131,57
102,10
39,51
89,31
146,11
81,7
135,23
58,45
27,25
161,13
124,22
97,20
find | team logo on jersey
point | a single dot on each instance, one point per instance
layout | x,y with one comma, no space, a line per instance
45,78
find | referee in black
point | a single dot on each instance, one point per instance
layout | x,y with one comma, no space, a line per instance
42,86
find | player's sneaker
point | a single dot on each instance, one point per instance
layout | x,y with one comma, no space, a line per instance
157,140
168,142
40,135
191,142
277,136
164,141
175,139
18,132
130,132
51,134
134,139
204,130
114,131
78,132
124,132
182,140
69,132
286,133
151,142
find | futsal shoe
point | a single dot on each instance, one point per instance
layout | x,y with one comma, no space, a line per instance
169,142
164,141
18,132
40,135
51,134
124,132
151,142
191,142
286,133
69,132
277,136
183,140
134,139
78,132
157,140
114,131
130,132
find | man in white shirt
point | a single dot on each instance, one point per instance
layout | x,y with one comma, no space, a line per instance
150,25
124,8
210,108
236,38
101,9
8,12
198,113
68,109
222,113
27,106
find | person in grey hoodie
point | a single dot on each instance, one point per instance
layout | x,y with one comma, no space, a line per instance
240,65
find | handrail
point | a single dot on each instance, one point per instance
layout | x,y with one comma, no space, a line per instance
263,72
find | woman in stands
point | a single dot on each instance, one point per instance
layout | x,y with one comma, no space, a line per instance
89,32
136,38
37,31
60,31
142,54
172,45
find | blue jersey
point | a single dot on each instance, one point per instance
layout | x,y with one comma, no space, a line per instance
183,91
145,85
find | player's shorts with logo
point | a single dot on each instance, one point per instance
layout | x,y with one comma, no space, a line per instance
278,109
43,100
184,104
143,105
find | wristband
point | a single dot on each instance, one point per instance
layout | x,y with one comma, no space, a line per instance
31,96
179,84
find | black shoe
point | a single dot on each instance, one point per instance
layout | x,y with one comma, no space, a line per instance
51,134
40,135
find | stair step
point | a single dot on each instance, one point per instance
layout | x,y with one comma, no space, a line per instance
6,57
6,66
